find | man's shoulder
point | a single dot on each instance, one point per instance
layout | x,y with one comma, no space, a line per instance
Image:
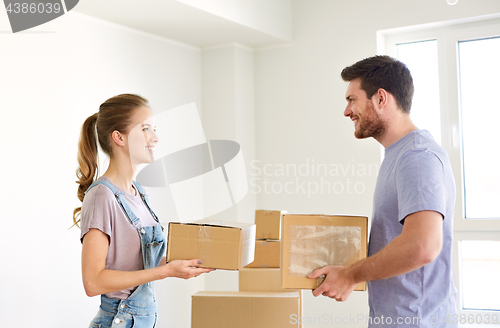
421,145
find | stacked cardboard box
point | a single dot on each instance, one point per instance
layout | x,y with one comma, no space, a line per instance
267,239
264,274
260,301
287,248
244,309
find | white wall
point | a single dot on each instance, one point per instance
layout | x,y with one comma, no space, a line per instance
52,78
299,112
228,114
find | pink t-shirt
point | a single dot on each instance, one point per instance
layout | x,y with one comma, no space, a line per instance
100,210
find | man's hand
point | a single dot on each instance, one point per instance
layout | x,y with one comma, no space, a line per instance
337,284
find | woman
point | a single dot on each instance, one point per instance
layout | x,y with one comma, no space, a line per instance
123,241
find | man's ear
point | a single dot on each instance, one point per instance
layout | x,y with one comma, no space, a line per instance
380,98
118,138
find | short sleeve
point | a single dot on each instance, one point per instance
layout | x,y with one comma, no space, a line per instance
420,184
97,210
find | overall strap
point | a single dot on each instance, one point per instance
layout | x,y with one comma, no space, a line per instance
136,222
145,199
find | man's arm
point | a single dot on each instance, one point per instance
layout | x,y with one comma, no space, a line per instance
419,243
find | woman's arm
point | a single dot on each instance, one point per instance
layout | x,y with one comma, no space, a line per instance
97,280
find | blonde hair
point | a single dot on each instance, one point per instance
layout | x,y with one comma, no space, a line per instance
115,114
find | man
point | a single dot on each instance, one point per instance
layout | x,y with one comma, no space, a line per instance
408,268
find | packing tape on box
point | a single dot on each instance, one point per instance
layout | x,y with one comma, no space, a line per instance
312,247
204,242
204,177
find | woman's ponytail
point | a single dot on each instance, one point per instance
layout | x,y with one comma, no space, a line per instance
87,161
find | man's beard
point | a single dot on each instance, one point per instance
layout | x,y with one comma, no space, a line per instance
370,124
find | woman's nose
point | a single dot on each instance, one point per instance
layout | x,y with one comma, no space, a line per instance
153,137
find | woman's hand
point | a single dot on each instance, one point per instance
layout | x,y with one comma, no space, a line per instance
185,269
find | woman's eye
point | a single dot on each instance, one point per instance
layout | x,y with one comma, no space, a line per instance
145,129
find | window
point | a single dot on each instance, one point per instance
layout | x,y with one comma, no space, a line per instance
480,265
422,61
456,68
479,71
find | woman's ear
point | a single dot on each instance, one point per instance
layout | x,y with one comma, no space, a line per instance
118,138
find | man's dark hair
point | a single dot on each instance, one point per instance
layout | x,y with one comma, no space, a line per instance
383,72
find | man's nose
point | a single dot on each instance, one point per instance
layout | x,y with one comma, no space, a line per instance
347,111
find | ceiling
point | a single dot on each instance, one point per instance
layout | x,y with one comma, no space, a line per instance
177,21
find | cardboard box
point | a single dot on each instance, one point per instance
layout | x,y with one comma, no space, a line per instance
244,309
260,279
268,224
221,245
310,242
267,254
264,279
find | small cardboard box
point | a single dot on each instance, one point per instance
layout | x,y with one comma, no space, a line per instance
267,254
260,279
244,309
221,245
264,279
311,241
268,224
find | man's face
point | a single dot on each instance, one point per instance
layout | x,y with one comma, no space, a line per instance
361,111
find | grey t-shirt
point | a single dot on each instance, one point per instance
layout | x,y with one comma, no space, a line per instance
415,176
100,210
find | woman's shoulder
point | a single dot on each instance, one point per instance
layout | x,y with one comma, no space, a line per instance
99,209
99,195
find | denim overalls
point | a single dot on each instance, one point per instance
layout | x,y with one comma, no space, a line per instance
139,310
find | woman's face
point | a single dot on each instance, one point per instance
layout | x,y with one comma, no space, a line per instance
142,137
